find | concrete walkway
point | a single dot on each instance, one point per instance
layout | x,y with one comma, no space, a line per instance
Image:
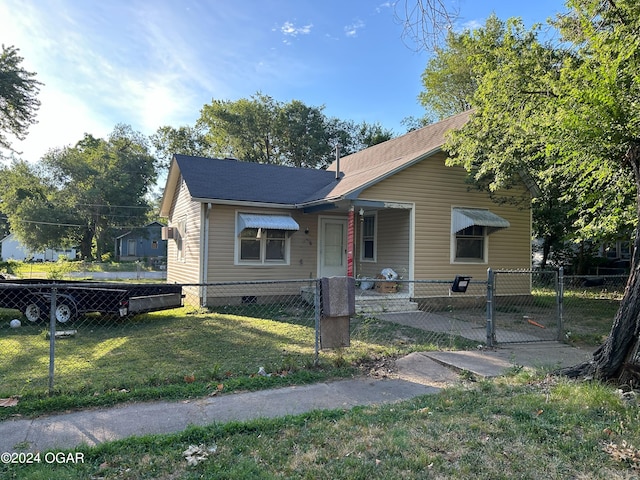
417,374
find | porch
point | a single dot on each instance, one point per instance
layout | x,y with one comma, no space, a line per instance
374,301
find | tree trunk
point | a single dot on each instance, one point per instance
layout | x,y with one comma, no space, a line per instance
85,245
617,358
546,250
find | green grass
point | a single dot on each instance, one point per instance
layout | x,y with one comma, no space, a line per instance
524,425
589,314
528,426
184,353
60,269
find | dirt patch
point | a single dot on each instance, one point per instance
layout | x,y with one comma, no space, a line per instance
378,367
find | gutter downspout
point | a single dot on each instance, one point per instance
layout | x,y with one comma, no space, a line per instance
204,254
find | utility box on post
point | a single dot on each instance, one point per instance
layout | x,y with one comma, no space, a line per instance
338,304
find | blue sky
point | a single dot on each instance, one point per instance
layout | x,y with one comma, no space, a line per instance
148,63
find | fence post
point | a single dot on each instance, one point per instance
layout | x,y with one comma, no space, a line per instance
560,302
490,327
316,309
52,337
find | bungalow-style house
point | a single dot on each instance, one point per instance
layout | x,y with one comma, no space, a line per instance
394,205
143,243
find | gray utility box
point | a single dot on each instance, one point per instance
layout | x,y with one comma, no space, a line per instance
338,304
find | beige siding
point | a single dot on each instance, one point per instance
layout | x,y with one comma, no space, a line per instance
186,270
392,249
222,243
436,189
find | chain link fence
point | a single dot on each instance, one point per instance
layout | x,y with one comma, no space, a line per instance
576,308
589,304
78,338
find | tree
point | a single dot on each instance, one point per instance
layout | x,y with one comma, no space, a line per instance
301,135
261,129
450,78
32,209
81,195
367,135
243,129
570,112
600,131
18,101
425,22
184,140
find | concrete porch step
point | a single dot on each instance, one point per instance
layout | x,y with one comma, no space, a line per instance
383,304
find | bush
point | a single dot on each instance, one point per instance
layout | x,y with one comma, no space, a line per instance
59,269
8,267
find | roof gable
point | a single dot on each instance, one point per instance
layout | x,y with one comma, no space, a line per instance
371,165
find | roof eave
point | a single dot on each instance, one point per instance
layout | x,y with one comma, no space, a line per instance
169,188
243,203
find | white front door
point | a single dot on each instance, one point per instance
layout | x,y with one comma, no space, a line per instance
333,247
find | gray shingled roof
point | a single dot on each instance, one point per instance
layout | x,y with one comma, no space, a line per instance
210,179
236,181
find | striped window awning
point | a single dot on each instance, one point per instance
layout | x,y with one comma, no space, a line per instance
272,222
469,217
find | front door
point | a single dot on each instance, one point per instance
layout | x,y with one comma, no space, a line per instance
333,247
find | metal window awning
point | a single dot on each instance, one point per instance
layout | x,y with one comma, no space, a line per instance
273,222
468,217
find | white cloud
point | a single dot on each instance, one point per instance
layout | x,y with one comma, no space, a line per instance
469,25
291,30
384,5
352,30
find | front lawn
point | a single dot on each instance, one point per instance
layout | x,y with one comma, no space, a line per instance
185,353
527,426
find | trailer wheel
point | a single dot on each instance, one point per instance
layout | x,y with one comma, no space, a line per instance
65,311
33,312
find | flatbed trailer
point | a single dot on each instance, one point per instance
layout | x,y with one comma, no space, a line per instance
74,298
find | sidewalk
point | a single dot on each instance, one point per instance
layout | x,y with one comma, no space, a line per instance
417,374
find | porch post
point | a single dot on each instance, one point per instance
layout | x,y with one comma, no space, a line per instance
350,240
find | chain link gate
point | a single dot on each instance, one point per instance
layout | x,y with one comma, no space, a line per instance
524,306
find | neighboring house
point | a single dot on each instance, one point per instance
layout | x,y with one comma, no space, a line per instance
144,243
590,258
394,205
12,249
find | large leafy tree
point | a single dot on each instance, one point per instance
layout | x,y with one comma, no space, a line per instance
571,112
244,129
18,97
33,213
450,78
463,71
81,195
261,129
185,140
599,140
